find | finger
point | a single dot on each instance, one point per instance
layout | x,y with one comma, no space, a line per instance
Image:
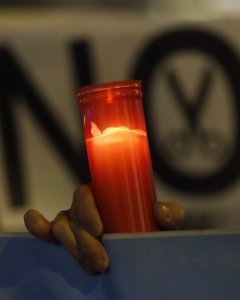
92,249
84,212
63,233
169,215
38,225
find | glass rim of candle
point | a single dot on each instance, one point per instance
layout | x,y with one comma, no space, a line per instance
109,92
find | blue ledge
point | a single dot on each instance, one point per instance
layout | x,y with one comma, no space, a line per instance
160,266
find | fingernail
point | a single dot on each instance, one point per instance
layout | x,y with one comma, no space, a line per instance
178,215
102,264
165,211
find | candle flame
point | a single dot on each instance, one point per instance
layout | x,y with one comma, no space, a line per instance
96,132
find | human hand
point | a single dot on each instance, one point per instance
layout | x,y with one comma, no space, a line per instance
80,228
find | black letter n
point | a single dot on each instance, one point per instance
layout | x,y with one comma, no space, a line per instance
14,83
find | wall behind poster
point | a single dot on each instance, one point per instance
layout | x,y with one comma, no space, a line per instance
190,76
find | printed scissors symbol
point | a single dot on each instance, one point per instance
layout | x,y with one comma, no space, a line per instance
210,142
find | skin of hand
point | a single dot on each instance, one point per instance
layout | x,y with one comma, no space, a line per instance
80,228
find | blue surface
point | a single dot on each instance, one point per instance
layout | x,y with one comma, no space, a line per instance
160,267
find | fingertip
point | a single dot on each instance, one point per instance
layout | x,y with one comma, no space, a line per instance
31,218
37,224
28,214
102,264
81,192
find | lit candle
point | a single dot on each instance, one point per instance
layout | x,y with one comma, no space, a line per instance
119,156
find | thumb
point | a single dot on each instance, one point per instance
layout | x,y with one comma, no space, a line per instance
168,215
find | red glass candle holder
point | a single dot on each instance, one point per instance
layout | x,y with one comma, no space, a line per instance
118,154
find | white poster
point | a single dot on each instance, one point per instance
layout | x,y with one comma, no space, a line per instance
190,72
